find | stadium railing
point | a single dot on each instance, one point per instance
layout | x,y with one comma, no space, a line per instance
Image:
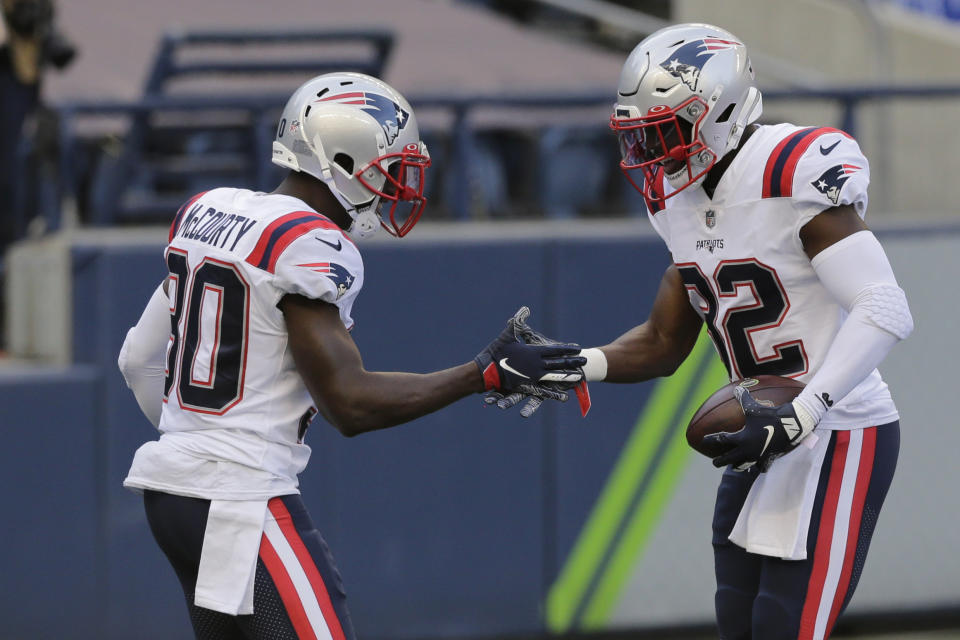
555,141
232,65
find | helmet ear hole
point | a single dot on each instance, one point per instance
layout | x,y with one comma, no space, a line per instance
345,162
723,117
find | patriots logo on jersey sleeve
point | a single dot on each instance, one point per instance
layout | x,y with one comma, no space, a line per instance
391,116
831,182
337,273
687,61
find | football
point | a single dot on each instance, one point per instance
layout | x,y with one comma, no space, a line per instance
722,412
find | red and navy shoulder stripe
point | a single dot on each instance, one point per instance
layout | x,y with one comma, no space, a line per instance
179,217
280,233
782,164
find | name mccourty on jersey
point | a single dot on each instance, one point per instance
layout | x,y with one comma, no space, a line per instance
214,227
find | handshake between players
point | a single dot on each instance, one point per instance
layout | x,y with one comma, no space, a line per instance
523,363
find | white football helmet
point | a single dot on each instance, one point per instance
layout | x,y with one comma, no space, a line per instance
360,137
686,94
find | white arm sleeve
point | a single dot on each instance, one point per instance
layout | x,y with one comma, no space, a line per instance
143,354
856,271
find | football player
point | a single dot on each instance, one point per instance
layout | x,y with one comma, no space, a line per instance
765,227
248,338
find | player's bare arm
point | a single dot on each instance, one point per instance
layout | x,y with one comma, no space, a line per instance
355,400
351,398
659,345
829,227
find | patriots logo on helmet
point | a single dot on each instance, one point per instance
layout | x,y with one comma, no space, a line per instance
391,116
833,179
687,61
337,273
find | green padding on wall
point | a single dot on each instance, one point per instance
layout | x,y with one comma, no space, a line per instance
632,501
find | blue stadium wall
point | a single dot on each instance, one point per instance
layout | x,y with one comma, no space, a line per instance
469,522
452,525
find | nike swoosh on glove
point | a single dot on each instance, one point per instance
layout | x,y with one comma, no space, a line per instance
508,364
536,394
531,336
767,434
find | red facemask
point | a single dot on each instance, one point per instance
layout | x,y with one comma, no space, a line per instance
403,188
657,141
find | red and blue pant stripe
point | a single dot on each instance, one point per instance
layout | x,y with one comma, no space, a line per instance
298,593
763,597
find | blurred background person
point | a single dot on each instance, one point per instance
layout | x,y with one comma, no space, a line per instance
30,43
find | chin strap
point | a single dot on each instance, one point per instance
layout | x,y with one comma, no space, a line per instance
364,224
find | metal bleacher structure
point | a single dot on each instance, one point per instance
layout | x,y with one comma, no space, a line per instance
176,143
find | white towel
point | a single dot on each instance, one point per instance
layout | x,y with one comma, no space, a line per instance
775,517
228,561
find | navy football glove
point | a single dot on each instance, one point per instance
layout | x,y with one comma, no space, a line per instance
767,434
548,390
509,364
533,394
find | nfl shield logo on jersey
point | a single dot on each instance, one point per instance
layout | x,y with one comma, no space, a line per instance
710,218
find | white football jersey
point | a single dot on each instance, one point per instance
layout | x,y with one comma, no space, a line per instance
232,394
742,261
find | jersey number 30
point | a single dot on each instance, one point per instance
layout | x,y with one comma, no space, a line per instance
207,356
737,325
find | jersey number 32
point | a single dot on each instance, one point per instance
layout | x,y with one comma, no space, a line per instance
734,330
